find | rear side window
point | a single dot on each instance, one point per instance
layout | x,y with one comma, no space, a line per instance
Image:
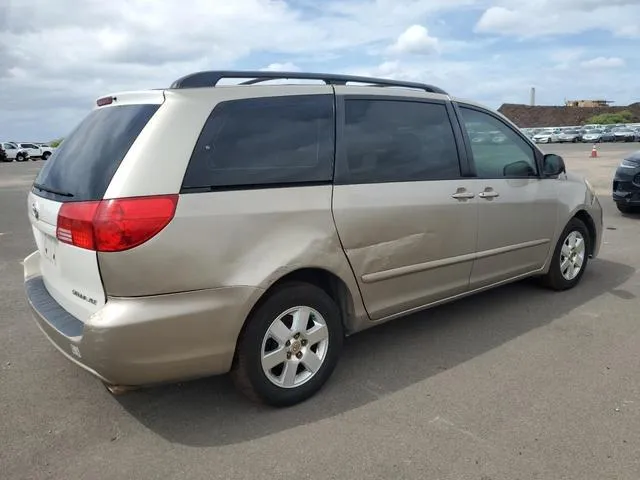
265,141
398,141
84,164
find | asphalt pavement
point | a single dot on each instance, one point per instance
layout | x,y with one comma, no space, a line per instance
515,383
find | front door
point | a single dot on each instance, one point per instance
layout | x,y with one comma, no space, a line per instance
406,217
517,208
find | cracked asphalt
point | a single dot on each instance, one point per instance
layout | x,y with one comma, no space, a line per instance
515,383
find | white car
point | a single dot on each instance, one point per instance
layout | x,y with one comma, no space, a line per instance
546,137
14,152
47,150
34,150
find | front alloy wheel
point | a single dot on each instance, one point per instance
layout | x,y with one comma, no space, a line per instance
570,257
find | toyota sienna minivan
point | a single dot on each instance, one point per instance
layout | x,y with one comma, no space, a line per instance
248,228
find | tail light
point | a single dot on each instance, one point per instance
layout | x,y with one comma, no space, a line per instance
114,225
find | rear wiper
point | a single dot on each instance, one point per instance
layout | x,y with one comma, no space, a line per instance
52,190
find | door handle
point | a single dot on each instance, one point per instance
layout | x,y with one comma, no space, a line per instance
462,194
489,194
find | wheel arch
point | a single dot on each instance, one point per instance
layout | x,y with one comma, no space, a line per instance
328,281
586,218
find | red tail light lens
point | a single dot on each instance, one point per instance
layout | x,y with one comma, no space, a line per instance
75,224
115,225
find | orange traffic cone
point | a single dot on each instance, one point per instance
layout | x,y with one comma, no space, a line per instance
594,152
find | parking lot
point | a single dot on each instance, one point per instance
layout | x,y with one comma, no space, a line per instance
516,383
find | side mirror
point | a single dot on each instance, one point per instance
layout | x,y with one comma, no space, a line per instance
553,165
518,169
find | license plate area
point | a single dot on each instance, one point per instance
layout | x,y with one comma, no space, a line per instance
49,248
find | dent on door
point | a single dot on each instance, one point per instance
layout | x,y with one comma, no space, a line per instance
409,244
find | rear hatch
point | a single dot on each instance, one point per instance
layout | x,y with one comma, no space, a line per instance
75,180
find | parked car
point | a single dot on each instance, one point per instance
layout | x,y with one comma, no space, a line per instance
592,136
546,137
608,136
47,150
14,152
626,184
624,135
252,239
34,150
569,136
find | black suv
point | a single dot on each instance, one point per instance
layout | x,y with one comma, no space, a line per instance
626,184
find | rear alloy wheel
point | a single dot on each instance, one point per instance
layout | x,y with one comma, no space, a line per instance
19,157
290,346
46,155
570,257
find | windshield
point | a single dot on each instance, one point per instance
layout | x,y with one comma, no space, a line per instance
82,167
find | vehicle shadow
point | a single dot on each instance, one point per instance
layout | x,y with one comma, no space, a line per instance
374,363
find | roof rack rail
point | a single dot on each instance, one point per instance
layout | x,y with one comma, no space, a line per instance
211,78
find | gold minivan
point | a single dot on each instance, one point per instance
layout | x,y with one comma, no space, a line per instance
248,228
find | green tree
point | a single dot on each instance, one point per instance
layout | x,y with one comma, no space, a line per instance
56,143
609,118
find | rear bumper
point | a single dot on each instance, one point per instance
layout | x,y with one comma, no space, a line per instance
145,340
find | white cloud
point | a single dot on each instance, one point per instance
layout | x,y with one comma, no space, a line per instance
565,55
415,40
57,57
603,62
559,17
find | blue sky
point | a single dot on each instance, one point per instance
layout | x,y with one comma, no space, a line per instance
57,57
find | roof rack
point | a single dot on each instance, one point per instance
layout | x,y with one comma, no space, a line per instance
211,79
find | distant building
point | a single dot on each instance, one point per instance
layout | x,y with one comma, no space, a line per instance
588,103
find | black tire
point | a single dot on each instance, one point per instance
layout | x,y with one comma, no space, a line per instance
554,279
46,155
575,140
628,209
19,157
247,372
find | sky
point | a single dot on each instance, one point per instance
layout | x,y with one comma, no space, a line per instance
57,57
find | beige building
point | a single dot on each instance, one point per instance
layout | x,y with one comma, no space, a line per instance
588,103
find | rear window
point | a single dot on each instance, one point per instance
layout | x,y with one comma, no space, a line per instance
264,142
84,163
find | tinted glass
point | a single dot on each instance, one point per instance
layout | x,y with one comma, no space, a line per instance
86,161
265,141
396,141
502,153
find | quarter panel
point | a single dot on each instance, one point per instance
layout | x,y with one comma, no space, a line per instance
234,238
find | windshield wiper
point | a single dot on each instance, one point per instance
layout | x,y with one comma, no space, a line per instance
52,190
